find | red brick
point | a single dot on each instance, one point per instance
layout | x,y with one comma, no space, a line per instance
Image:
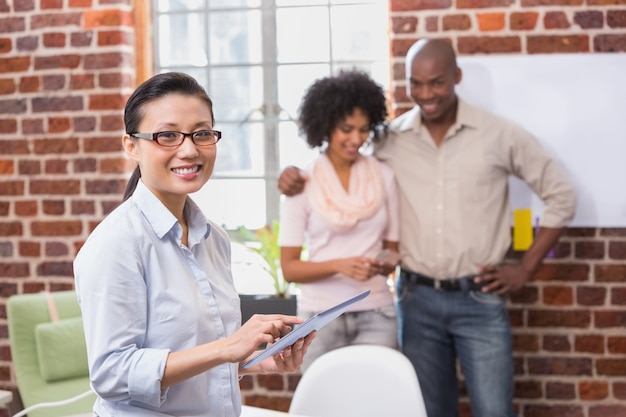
404,24
559,318
111,17
523,20
414,5
489,45
5,45
51,4
556,343
619,390
617,250
84,124
115,37
83,207
541,44
14,147
15,187
82,81
580,232
7,167
432,23
32,126
57,62
609,273
560,391
29,84
591,296
102,145
11,229
589,344
57,104
80,3
611,367
112,124
106,102
105,186
609,43
81,39
555,20
618,296
4,211
56,228
558,296
115,166
562,272
456,22
30,249
106,60
528,389
55,187
58,124
589,19
60,268
109,206
560,366
618,410
53,82
115,80
54,40
613,232
26,208
27,43
8,126
534,3
617,344
525,343
85,165
476,4
56,146
7,86
14,270
48,20
12,24
29,167
593,390
606,319
53,207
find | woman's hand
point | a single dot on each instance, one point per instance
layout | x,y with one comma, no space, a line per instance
258,330
360,268
287,361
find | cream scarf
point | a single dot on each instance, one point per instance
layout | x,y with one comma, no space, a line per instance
341,208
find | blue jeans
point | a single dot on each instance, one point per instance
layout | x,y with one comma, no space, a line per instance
436,327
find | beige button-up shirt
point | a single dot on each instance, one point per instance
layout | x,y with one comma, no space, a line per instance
454,200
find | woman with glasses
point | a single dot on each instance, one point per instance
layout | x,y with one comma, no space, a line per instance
160,311
347,215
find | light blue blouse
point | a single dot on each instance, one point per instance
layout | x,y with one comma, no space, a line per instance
144,294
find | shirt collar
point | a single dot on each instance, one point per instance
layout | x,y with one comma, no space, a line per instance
162,220
466,116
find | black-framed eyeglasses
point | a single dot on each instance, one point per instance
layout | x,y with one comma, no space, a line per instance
173,138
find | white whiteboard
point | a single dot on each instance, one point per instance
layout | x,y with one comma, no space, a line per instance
575,104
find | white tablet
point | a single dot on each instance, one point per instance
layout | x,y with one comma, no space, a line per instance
316,322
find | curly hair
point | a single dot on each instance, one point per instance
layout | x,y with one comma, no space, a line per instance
331,99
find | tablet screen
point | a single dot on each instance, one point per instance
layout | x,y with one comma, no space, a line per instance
316,322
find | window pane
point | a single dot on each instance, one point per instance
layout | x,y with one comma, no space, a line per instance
293,148
241,150
300,2
215,4
236,93
182,40
229,202
357,39
293,81
302,34
174,5
235,37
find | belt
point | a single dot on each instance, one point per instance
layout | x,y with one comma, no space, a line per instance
453,284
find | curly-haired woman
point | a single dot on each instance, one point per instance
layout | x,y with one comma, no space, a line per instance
347,215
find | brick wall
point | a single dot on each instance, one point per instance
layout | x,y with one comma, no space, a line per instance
570,344
66,67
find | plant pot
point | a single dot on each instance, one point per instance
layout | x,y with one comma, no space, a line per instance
267,304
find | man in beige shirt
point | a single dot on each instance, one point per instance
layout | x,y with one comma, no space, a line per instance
452,162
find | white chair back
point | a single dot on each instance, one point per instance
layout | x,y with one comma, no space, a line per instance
359,381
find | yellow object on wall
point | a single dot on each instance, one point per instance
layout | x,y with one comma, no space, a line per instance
522,229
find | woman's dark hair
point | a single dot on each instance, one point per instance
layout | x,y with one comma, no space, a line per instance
329,100
156,87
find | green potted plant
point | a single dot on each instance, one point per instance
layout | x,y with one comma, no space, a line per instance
264,242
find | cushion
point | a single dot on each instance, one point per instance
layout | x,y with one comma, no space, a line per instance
61,349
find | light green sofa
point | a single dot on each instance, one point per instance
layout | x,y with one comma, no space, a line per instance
49,358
